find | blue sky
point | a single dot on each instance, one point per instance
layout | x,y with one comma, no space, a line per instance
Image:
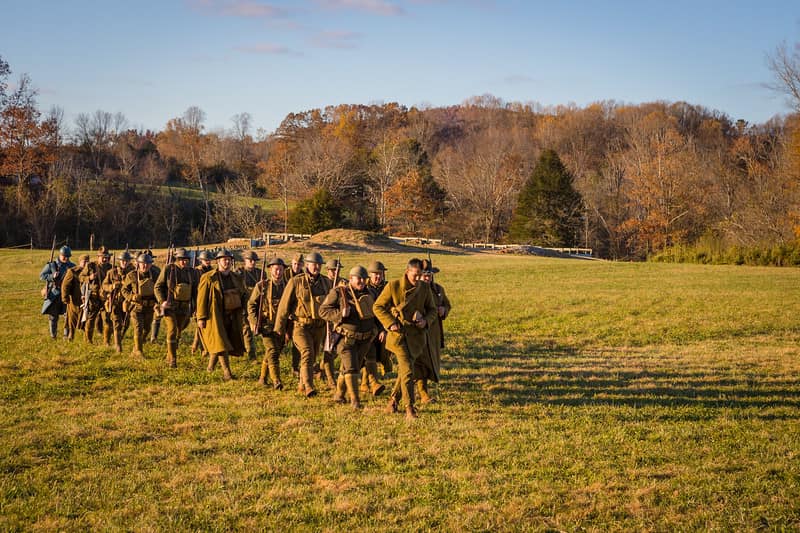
151,60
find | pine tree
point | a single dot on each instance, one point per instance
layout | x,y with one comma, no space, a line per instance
318,213
548,206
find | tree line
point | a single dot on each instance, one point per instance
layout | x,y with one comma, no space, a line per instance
630,180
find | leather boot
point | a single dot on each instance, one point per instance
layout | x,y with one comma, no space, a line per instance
352,388
327,368
88,331
392,407
363,388
172,355
340,390
212,362
196,341
307,381
107,334
262,378
117,342
137,344
373,385
154,329
225,362
53,326
275,375
422,391
411,413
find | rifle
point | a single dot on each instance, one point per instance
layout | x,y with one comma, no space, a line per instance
85,303
331,336
171,278
47,286
262,284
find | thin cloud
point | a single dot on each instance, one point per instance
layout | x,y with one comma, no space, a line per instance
378,7
238,8
265,49
336,39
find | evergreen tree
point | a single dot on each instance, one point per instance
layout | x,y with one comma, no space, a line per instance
318,213
548,207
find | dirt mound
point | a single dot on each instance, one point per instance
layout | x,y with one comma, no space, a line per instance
348,239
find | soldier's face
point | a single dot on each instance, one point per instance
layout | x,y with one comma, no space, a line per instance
224,263
183,262
331,273
427,277
144,267
357,282
249,264
104,258
297,266
205,262
413,274
376,277
63,258
313,268
123,263
276,271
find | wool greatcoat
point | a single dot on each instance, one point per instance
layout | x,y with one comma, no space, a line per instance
436,332
397,304
223,331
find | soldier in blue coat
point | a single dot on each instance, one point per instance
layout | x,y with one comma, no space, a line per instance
53,273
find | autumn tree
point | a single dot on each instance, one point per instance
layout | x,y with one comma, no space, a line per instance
548,208
415,204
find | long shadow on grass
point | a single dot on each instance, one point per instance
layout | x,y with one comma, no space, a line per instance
515,375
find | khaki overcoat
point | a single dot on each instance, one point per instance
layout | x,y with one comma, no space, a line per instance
397,303
210,307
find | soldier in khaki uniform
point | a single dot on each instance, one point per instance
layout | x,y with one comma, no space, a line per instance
296,268
220,300
204,266
176,292
263,302
138,289
405,308
93,275
250,275
428,368
301,299
71,293
155,327
378,352
332,270
349,309
112,291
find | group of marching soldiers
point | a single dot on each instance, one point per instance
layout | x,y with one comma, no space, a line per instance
363,319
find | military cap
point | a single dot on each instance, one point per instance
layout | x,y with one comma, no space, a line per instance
149,252
359,271
103,251
180,253
224,253
250,254
276,261
124,256
376,266
85,257
204,255
428,267
298,257
145,258
313,257
333,264
66,251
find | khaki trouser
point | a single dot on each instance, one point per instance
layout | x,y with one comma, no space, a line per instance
73,320
249,339
404,385
308,338
175,323
141,320
273,345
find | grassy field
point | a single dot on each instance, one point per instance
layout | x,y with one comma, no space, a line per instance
267,204
577,396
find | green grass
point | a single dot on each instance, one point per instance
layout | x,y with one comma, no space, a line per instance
267,204
576,395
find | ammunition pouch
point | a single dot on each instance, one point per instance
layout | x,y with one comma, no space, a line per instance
182,292
147,289
356,335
